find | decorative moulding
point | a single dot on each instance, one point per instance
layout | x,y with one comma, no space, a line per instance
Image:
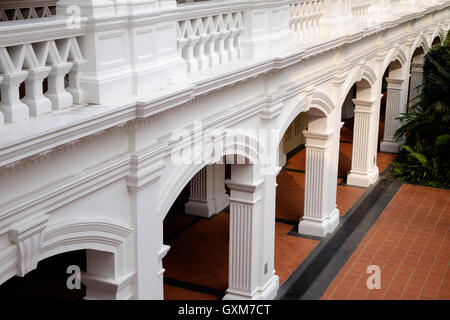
27,235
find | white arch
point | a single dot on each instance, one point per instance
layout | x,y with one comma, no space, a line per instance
358,73
421,41
397,54
73,234
438,32
186,172
68,235
317,100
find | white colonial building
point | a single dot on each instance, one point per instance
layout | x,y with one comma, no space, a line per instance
109,108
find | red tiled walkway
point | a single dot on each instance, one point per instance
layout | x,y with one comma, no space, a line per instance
410,242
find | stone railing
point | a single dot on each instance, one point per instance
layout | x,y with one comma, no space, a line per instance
305,18
206,40
26,9
40,59
38,71
360,10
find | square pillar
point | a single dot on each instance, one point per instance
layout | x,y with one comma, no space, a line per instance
148,227
35,99
394,101
320,215
11,106
207,192
364,170
105,277
250,276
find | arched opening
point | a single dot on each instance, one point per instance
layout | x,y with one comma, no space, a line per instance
290,248
226,249
361,129
48,280
196,228
396,92
416,78
436,41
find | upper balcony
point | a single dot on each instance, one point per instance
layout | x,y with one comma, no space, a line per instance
59,59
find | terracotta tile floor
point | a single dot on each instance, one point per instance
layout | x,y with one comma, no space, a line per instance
208,239
410,242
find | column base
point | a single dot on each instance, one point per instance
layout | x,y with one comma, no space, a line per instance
102,288
62,100
269,292
206,209
389,146
16,112
362,179
319,228
38,106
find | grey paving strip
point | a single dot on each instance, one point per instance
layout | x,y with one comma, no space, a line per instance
294,170
194,287
286,221
314,275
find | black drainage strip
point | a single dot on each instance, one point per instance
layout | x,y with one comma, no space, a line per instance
314,275
194,287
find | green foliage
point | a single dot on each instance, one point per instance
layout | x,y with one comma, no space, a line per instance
425,132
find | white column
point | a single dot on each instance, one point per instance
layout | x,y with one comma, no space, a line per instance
416,83
35,99
207,192
148,228
250,276
364,170
74,87
348,109
57,93
395,90
106,278
11,106
320,215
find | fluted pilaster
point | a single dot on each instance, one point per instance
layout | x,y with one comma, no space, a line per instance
364,171
207,192
395,91
319,217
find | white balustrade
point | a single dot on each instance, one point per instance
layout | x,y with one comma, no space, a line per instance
26,9
206,41
360,10
32,61
305,18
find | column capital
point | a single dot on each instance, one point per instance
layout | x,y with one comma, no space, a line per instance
395,84
364,106
318,140
38,74
244,186
141,176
